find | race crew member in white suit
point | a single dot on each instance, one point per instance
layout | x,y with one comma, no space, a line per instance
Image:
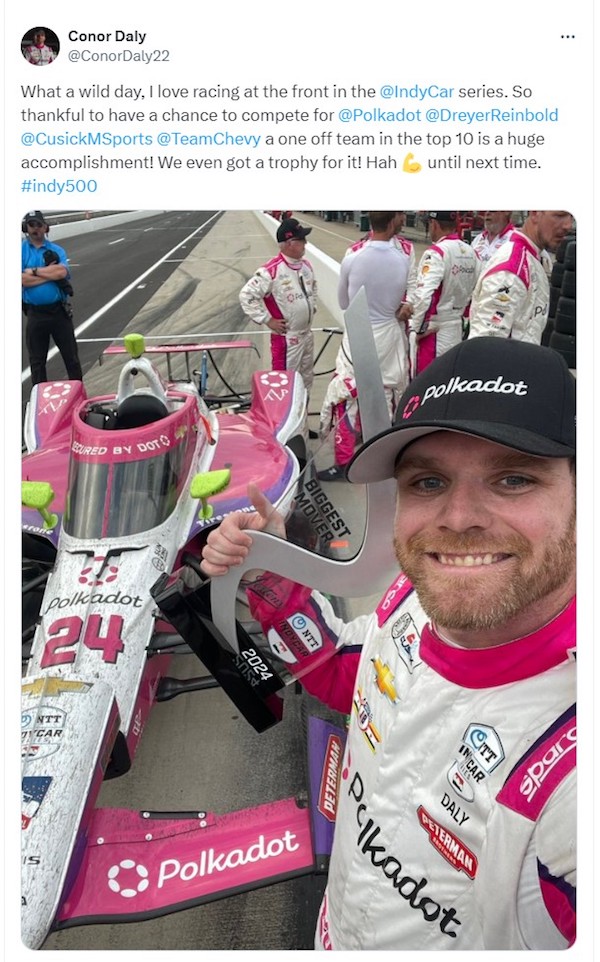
446,277
512,295
497,229
455,826
402,243
282,295
382,268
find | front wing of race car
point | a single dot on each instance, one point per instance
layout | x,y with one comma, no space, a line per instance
119,865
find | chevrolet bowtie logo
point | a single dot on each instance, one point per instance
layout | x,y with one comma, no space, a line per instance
54,686
384,679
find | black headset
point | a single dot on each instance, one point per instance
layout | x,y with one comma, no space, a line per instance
24,224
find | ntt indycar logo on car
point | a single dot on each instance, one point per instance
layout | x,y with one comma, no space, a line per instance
459,385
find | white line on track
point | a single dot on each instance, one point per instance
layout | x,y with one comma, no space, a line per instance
126,290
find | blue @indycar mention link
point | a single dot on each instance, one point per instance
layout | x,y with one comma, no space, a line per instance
416,92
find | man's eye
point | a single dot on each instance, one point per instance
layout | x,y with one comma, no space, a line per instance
427,484
515,481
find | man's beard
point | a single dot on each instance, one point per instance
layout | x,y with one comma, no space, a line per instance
488,602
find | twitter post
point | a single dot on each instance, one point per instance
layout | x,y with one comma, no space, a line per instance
298,536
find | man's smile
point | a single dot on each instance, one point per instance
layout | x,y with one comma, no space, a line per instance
468,560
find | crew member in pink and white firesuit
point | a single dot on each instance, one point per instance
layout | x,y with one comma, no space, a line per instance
282,296
497,229
446,277
381,266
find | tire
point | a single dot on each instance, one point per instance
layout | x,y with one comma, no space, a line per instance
548,330
556,277
565,345
566,306
570,260
565,324
565,318
562,249
554,296
569,284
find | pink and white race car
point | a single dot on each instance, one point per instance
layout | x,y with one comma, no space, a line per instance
118,490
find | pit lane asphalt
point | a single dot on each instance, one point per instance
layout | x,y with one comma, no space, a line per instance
197,752
105,263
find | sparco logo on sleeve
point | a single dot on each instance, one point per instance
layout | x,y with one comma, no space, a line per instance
464,386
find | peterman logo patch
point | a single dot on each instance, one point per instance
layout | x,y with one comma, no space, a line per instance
330,778
448,844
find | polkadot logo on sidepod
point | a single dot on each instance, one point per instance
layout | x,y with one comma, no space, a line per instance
411,406
128,878
274,379
56,390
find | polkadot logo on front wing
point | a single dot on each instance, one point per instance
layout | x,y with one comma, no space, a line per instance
128,878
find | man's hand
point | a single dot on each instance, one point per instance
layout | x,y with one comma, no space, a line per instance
229,544
278,325
52,272
404,312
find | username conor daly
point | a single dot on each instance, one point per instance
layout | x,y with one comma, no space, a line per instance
118,36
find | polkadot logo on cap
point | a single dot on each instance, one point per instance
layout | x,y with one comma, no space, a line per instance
411,406
128,879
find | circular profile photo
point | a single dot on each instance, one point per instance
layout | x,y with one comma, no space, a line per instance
40,46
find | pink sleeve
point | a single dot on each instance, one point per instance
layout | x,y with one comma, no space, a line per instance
329,672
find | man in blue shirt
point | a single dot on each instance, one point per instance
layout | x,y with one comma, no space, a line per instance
45,280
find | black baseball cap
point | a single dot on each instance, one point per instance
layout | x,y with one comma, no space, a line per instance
291,229
34,215
445,216
517,394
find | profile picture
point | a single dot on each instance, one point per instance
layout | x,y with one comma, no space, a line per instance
40,46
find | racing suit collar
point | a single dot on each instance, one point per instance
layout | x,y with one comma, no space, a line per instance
491,667
294,263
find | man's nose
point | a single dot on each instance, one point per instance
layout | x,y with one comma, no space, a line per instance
464,506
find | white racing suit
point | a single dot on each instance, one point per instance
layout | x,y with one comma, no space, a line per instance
405,246
455,826
486,248
512,296
339,411
446,277
284,288
382,268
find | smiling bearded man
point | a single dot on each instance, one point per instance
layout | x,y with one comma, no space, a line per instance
507,548
456,819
